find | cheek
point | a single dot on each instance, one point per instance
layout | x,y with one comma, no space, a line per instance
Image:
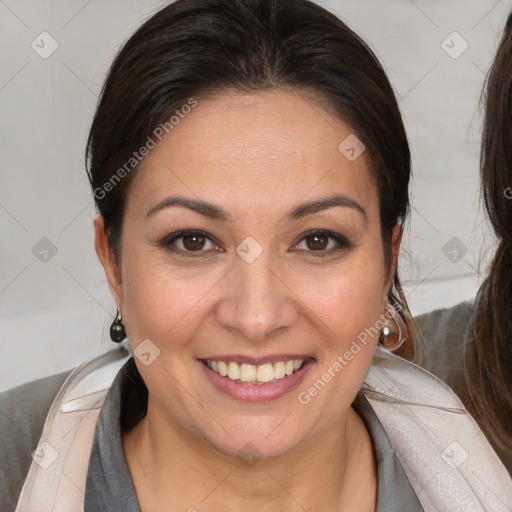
162,302
347,300
356,304
349,312
167,302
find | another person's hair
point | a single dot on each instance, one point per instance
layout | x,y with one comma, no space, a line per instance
489,376
194,48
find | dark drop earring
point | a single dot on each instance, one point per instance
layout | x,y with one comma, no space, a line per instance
117,333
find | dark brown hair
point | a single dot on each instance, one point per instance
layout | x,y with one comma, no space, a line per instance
201,47
489,376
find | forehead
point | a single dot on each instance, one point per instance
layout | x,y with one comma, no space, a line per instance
254,147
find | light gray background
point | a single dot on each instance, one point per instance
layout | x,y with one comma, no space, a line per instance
54,314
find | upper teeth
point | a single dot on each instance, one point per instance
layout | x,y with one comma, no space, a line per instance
253,373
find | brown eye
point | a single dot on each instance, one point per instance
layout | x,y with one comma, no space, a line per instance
317,242
193,242
188,243
323,243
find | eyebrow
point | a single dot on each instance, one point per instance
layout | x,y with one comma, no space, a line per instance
216,213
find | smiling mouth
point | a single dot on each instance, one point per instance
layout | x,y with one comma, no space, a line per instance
255,374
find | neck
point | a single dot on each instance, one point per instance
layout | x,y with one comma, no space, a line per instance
173,469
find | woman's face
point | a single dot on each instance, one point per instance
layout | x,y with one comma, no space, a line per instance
274,274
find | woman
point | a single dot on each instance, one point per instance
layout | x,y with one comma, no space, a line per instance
251,169
470,344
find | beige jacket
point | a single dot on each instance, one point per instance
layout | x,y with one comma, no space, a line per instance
447,459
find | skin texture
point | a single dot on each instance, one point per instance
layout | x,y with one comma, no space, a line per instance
257,156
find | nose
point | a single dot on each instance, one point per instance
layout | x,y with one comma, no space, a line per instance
258,301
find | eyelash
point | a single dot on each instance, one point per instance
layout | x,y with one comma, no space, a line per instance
342,242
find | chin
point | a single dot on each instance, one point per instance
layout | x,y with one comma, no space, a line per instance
253,440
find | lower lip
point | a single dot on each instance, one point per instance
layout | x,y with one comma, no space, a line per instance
258,392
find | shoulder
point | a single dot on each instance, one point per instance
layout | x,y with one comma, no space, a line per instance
441,322
444,326
443,334
432,434
23,411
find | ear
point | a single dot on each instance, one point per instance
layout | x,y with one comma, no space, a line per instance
396,240
107,259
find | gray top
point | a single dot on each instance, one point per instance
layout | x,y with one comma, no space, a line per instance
444,333
23,412
109,486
